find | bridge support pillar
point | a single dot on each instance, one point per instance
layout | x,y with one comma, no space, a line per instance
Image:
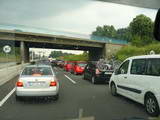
109,50
95,54
24,50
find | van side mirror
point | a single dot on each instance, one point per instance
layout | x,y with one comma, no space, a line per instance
157,26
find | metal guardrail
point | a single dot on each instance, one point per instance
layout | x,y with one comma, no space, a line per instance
10,72
23,28
7,64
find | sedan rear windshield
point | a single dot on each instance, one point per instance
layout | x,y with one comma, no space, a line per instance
37,71
82,64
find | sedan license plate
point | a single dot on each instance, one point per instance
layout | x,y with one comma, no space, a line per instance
40,83
107,73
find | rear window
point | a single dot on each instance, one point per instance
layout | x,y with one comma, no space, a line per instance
37,71
70,63
82,64
153,67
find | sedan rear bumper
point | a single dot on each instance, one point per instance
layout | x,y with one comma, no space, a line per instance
20,91
79,71
102,79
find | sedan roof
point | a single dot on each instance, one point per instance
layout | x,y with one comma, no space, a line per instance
38,65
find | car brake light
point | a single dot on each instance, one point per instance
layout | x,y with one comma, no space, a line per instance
53,83
19,84
78,68
97,72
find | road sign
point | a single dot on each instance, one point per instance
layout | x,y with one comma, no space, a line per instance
7,49
152,52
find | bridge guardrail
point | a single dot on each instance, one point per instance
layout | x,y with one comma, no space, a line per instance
23,28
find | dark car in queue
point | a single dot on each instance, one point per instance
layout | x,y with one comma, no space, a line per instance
93,74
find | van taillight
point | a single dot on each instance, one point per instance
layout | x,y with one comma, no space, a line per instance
19,84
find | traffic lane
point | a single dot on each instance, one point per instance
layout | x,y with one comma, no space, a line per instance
108,106
104,105
65,108
93,100
7,87
6,64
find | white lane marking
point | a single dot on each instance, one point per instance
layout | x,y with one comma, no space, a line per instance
80,116
152,118
6,97
70,79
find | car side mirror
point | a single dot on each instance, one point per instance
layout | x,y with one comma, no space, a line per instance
157,26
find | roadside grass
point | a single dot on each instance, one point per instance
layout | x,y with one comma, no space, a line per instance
129,51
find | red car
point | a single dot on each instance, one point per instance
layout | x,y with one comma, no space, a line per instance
68,66
78,67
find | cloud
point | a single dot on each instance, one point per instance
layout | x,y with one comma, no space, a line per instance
81,16
88,17
17,10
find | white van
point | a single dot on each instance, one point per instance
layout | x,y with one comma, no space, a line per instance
138,78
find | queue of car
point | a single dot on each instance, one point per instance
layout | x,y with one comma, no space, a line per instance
137,78
89,70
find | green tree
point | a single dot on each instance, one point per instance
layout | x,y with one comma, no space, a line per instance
142,26
139,32
99,31
55,54
124,34
105,31
109,31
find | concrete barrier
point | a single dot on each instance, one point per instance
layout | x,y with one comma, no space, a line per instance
8,73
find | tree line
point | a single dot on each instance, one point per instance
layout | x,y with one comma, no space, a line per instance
139,31
56,54
69,56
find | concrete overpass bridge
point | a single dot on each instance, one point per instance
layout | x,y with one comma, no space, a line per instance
25,38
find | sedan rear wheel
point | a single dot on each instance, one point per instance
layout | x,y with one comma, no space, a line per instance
93,80
151,105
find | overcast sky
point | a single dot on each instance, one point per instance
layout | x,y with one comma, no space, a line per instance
80,16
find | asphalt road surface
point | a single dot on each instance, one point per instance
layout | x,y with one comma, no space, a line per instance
79,100
6,64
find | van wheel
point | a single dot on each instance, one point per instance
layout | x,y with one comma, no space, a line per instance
93,80
151,105
113,89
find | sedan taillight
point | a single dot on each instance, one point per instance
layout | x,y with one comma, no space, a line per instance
53,83
19,84
97,72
